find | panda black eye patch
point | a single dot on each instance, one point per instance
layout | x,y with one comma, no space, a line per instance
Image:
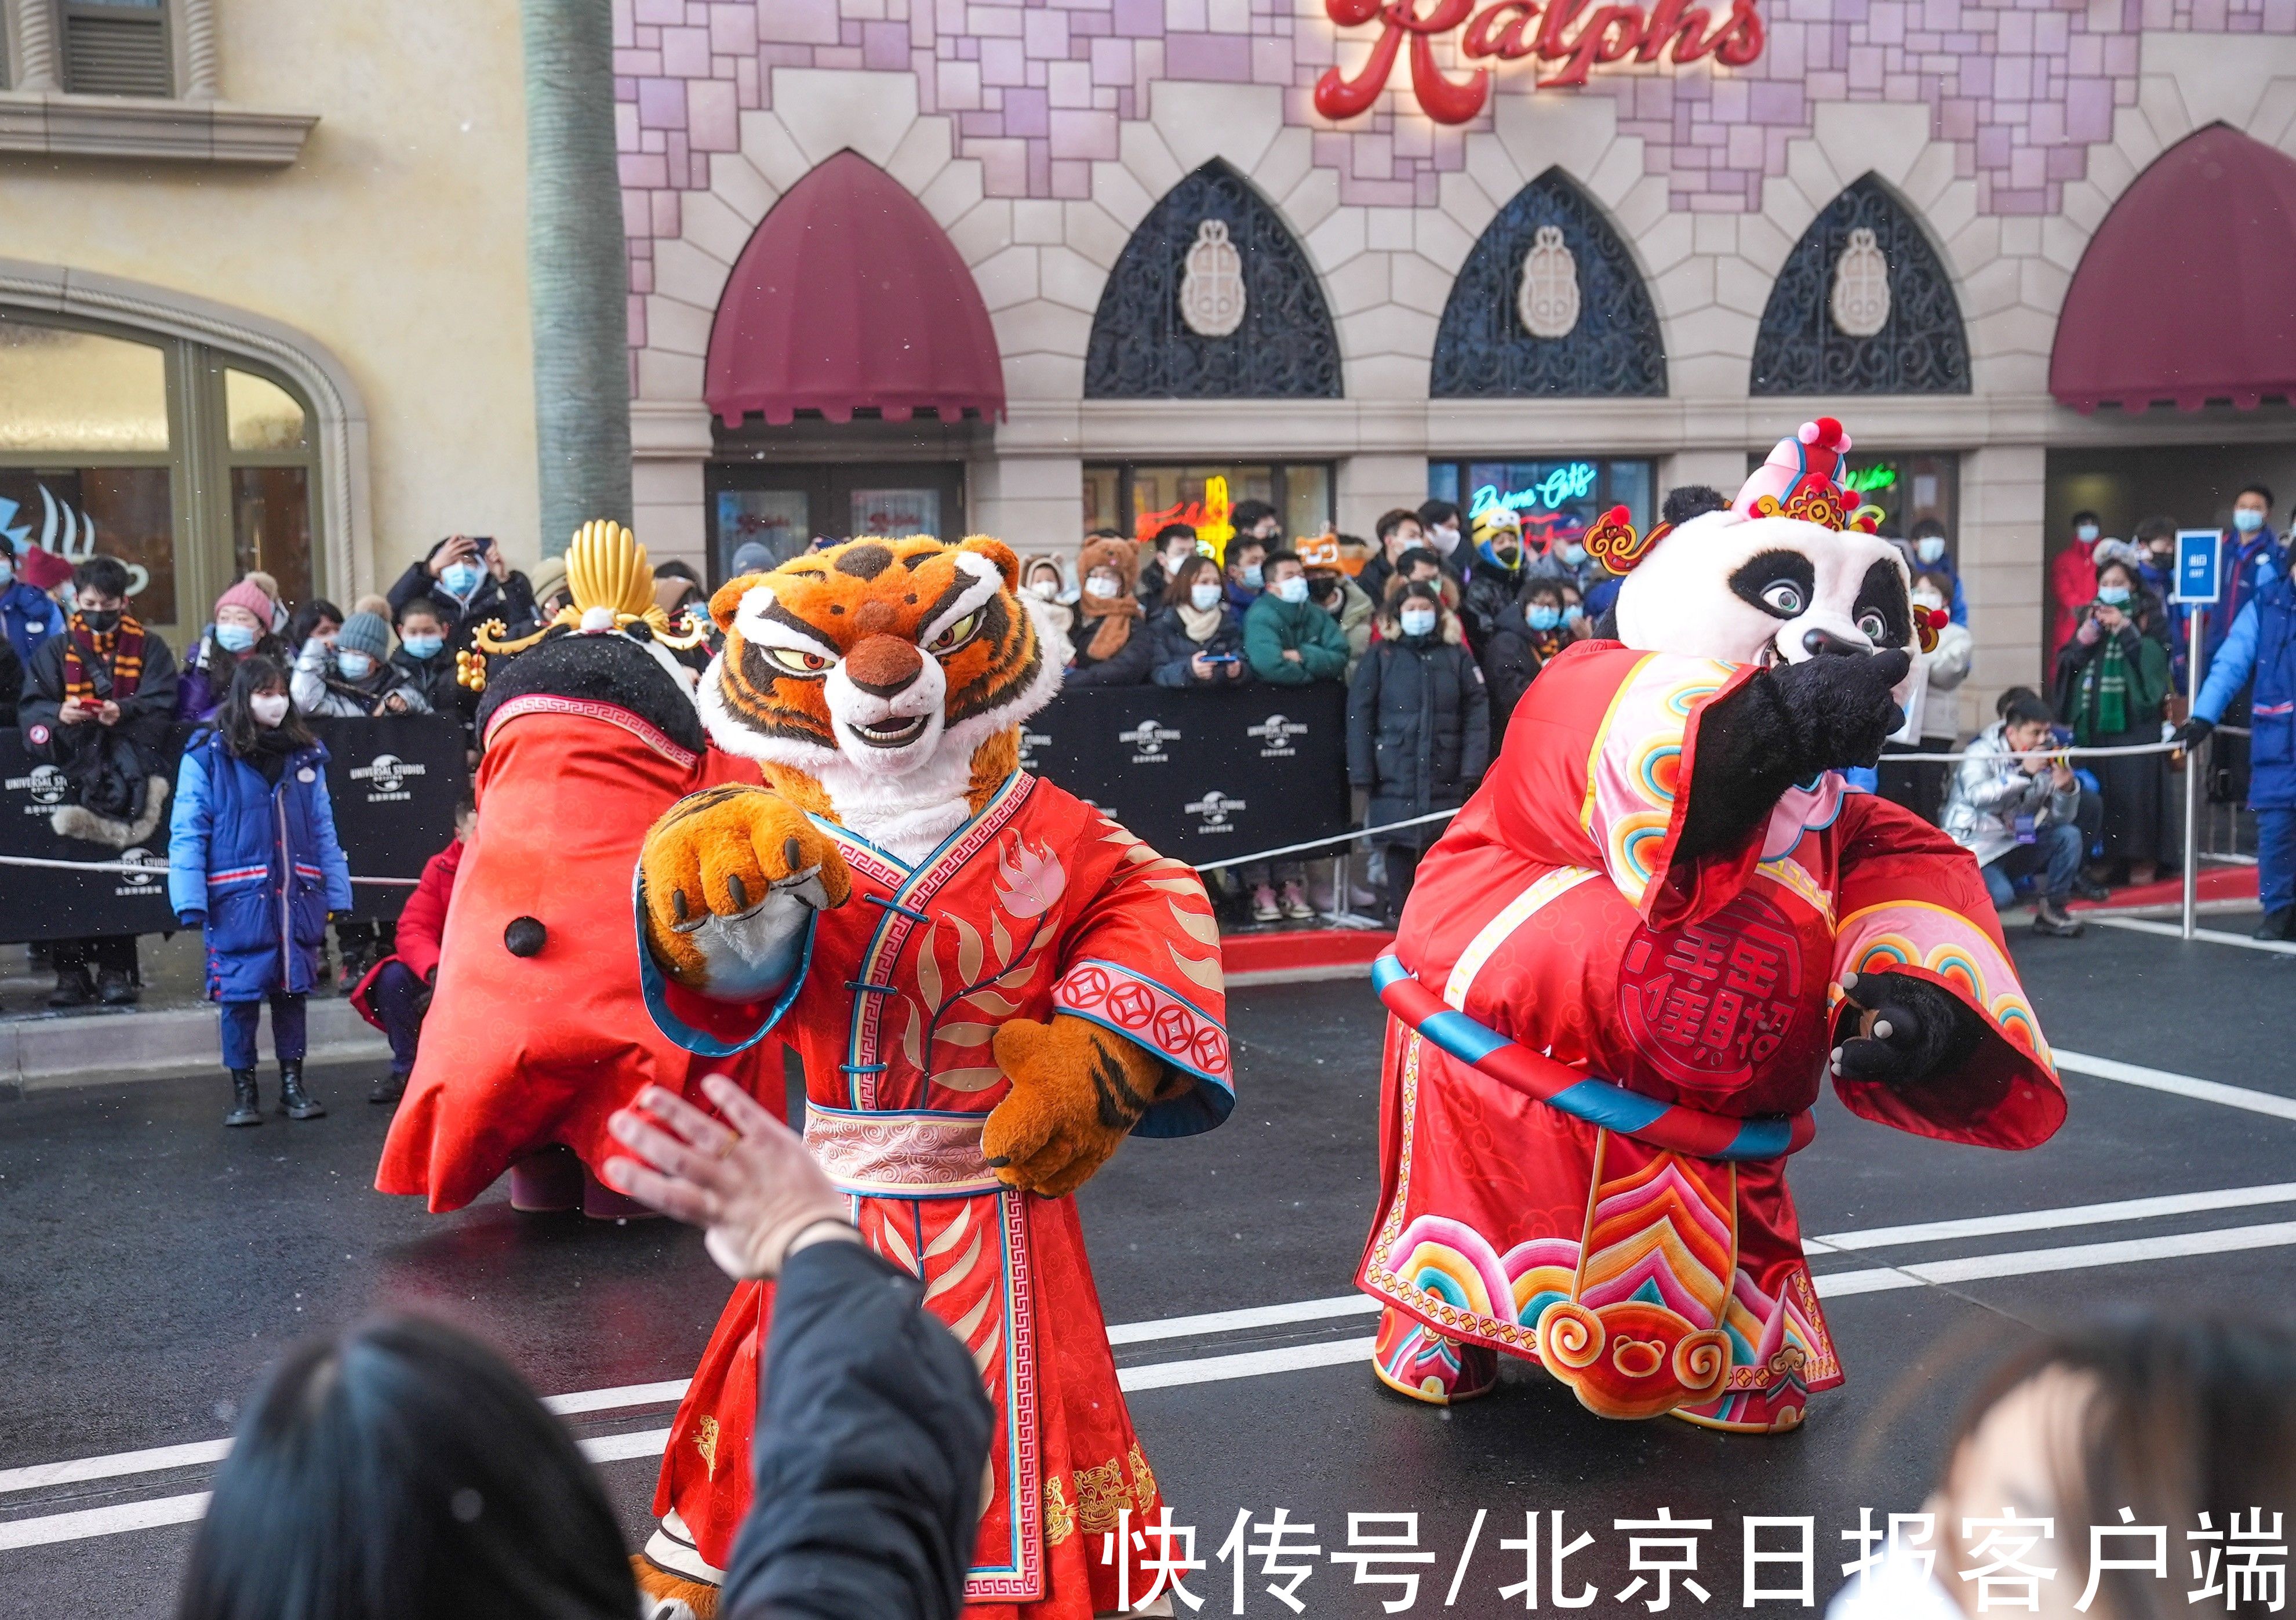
1882,592
1781,583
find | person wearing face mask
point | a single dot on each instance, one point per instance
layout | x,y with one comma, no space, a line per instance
2072,580
1175,544
1419,728
2248,553
1333,589
1932,712
469,581
28,615
2259,655
1247,572
422,660
1397,532
1500,565
1197,635
1290,640
354,676
2111,687
242,625
1110,644
1440,532
1933,554
1050,586
98,703
1530,631
253,863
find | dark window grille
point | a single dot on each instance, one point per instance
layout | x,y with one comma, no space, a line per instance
1286,348
117,49
1483,349
1920,349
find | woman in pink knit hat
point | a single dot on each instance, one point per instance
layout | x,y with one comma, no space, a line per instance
242,625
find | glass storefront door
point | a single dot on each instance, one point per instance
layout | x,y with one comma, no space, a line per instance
787,508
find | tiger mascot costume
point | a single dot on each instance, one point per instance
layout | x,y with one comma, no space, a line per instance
990,984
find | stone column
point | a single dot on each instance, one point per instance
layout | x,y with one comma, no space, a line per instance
577,275
201,71
37,66
2003,491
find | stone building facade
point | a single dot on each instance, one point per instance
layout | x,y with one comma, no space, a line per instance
1039,138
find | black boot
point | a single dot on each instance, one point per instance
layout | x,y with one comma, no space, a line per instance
389,1089
74,987
246,1107
2279,923
115,987
295,1102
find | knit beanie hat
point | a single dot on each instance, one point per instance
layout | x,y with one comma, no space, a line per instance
364,633
42,570
545,577
249,595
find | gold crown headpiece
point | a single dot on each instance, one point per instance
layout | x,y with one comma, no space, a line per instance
606,570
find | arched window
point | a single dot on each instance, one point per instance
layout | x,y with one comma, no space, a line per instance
189,465
1212,300
1548,302
1864,306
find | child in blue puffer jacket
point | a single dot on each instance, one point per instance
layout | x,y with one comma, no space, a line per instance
253,861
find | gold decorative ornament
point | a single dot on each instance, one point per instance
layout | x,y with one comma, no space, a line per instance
606,569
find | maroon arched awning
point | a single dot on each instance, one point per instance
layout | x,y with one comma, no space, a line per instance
848,297
2187,292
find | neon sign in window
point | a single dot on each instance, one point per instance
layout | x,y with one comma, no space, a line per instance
1571,482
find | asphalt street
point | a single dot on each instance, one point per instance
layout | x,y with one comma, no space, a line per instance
154,1262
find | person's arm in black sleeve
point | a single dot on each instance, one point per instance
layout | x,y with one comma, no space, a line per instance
414,582
12,681
872,1432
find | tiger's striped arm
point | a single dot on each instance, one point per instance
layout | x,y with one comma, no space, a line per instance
1078,1091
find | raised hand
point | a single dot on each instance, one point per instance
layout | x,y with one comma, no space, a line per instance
1906,1029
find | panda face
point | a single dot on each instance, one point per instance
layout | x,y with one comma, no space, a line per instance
1765,590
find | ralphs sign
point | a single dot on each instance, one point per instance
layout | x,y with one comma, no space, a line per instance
1578,35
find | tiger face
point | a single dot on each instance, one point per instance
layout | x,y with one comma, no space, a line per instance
869,663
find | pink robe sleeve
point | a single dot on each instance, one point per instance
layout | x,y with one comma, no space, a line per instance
1911,900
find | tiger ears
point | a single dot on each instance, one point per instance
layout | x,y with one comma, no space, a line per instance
727,601
997,552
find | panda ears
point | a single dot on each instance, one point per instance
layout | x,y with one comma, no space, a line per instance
1612,542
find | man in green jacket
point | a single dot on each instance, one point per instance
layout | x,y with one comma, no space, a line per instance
1289,639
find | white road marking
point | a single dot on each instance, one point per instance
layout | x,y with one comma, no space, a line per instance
102,1521
625,1394
1250,1315
2050,1220
2179,1085
2174,931
2028,1262
147,1462
1244,1364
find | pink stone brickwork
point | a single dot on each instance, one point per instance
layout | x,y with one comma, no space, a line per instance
1038,88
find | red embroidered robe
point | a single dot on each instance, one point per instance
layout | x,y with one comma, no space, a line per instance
1554,913
1038,903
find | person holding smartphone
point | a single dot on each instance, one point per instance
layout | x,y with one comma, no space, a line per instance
2013,804
1198,636
469,581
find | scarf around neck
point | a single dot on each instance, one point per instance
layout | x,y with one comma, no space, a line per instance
1201,623
2108,689
120,649
1111,618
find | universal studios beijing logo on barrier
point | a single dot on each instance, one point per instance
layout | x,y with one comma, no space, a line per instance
1581,37
386,776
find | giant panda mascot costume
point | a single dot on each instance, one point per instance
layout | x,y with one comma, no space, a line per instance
1628,964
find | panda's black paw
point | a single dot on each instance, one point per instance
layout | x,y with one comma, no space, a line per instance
1898,1029
1840,710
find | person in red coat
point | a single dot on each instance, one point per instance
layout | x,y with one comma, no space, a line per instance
396,991
2073,581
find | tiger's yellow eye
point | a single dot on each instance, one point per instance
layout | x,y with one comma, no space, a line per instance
956,635
797,663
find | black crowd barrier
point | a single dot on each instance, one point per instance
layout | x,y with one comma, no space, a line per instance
394,782
1201,775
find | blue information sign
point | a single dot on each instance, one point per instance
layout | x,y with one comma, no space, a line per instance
2197,566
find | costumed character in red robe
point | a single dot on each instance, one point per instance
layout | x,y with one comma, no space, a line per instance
1628,961
990,984
537,1031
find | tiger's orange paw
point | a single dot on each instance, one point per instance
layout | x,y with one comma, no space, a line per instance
730,876
1078,1090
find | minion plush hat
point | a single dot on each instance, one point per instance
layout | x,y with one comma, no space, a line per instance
1497,527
